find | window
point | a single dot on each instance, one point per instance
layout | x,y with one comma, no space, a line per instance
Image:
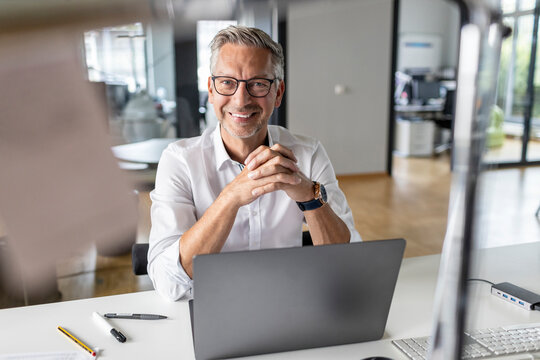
515,146
206,30
117,55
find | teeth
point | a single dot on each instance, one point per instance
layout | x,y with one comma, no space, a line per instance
241,116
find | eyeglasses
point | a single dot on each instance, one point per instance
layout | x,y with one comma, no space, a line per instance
256,87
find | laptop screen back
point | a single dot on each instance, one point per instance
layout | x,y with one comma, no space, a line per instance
257,302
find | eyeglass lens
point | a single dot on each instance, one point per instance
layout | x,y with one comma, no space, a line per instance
255,87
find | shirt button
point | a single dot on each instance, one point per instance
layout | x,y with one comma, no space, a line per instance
254,213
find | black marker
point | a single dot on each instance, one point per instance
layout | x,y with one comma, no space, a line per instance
108,327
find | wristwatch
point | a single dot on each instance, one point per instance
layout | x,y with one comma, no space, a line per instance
320,198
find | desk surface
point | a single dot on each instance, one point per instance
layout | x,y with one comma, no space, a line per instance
33,328
148,151
419,108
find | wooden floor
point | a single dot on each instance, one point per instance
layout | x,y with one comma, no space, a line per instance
411,204
510,151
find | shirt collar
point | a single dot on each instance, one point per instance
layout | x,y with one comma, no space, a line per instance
221,154
269,134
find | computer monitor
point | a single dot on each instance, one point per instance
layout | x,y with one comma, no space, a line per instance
480,44
425,90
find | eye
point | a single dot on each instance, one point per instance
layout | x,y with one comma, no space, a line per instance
259,84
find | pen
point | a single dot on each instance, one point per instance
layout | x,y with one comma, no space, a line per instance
104,324
77,341
135,316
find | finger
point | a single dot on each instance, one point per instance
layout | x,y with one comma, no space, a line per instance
275,182
271,165
282,161
254,153
285,151
276,165
268,188
272,157
268,170
261,156
273,186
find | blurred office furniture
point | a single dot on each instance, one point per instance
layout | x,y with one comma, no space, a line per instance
141,120
424,115
140,159
414,136
415,120
445,122
117,97
426,92
146,152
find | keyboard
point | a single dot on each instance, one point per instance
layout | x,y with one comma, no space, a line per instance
483,343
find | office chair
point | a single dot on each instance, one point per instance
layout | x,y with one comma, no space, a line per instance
537,211
139,258
139,254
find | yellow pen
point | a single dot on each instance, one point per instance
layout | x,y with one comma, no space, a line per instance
77,341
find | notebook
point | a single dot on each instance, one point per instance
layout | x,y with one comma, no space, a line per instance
265,301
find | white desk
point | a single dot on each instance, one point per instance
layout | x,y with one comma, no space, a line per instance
33,328
419,108
148,151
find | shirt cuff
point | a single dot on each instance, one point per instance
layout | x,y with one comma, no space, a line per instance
171,281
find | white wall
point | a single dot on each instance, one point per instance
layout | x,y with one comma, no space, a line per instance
345,42
439,17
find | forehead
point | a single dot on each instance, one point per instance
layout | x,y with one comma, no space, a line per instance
243,61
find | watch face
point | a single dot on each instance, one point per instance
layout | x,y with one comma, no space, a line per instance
318,201
323,193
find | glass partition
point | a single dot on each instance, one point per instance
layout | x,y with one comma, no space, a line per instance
514,131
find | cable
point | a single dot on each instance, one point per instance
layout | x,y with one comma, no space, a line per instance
486,281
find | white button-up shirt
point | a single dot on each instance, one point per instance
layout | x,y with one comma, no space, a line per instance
191,174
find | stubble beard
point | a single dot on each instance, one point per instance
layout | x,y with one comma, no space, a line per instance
256,127
255,130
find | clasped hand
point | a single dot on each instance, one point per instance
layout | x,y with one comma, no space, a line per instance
269,169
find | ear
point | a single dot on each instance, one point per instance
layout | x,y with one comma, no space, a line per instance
280,92
210,91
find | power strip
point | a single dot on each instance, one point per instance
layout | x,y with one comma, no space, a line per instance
525,299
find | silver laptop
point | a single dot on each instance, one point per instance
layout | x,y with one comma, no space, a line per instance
257,302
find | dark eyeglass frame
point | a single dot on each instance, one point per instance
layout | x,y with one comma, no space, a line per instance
244,81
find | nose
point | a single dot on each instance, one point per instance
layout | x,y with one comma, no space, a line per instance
241,97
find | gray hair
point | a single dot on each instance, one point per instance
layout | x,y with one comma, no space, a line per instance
248,36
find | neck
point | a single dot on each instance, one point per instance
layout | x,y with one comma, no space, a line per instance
238,148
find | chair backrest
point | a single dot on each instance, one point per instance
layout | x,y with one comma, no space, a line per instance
139,258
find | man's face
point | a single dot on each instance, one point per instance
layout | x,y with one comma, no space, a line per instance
242,115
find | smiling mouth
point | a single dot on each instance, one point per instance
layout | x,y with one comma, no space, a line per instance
242,116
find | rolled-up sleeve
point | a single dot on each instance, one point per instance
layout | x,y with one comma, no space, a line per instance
172,214
323,172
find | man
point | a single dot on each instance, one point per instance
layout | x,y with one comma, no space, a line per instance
243,185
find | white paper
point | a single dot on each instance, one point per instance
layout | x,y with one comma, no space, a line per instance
64,355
